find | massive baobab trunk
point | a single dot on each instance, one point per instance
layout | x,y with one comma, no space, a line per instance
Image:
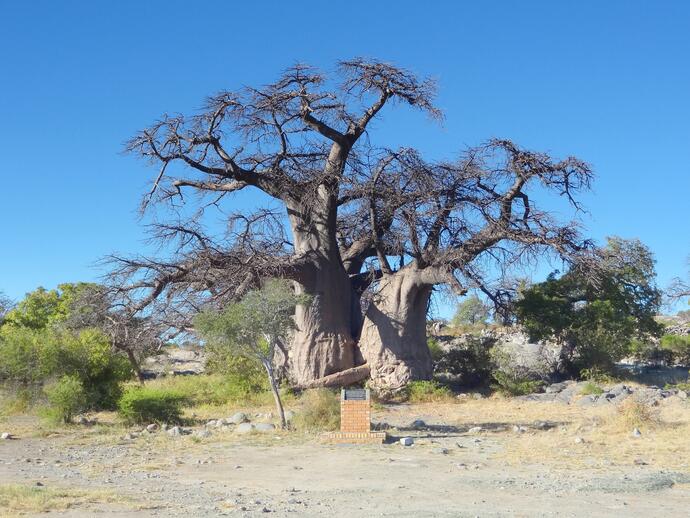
323,341
393,339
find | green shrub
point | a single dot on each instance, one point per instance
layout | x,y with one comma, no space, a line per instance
31,358
67,398
598,375
468,364
319,411
591,389
143,405
678,347
434,348
427,392
511,386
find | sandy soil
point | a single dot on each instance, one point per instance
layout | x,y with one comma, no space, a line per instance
572,464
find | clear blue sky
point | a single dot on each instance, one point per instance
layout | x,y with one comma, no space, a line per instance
606,81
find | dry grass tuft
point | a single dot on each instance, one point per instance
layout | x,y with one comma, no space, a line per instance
634,414
17,499
319,411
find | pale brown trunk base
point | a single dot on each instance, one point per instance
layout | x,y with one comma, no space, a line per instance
393,340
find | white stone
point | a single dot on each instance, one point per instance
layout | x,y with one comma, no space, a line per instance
407,441
244,428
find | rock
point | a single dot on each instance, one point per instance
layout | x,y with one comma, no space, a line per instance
165,427
518,429
579,440
237,418
441,451
289,415
682,394
211,423
203,434
244,428
636,432
417,424
587,400
175,431
475,429
556,388
407,441
477,395
153,427
6,436
129,436
264,427
82,420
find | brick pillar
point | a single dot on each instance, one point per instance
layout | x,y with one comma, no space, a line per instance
355,411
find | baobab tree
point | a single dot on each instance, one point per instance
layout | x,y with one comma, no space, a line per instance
298,140
351,219
451,224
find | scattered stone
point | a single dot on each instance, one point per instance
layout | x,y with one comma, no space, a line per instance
636,432
682,394
175,431
475,429
82,420
640,462
237,418
264,427
441,451
579,440
129,436
417,424
477,395
212,423
153,427
518,429
244,428
407,441
203,434
6,436
289,415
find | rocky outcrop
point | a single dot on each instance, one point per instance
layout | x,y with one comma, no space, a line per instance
175,361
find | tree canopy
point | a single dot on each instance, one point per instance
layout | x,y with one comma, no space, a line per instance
596,319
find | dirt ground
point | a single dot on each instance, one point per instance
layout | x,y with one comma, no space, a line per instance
528,459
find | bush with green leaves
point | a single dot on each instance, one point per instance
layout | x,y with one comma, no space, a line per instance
142,405
514,386
468,364
36,346
596,319
517,375
427,392
67,398
678,347
30,358
470,312
254,330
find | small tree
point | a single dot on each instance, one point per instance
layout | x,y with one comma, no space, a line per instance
5,307
596,321
471,311
255,328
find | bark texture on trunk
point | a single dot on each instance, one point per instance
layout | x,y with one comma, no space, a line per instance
323,343
393,340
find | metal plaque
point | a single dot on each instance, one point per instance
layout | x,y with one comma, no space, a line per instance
355,394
